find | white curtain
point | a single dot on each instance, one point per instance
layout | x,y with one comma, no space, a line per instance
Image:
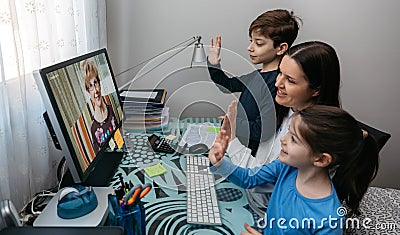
35,34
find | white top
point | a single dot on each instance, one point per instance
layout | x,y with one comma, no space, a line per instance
267,152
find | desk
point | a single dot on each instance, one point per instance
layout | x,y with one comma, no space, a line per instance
166,203
62,231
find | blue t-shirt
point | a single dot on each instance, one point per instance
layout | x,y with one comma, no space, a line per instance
288,211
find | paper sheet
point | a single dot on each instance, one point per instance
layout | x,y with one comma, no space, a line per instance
199,133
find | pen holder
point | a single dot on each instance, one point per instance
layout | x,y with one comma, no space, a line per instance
131,217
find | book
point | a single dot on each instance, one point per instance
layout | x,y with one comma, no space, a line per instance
143,122
143,97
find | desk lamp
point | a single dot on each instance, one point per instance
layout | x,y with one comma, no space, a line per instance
198,56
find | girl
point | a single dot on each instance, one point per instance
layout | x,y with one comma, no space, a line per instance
322,141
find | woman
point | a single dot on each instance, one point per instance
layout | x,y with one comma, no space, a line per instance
103,117
309,74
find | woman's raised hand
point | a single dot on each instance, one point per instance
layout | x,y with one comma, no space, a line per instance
215,49
232,114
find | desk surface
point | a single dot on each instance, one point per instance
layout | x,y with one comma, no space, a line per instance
62,231
166,203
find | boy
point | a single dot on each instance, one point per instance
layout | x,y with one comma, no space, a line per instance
271,34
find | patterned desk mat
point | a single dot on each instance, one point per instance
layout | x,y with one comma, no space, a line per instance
166,204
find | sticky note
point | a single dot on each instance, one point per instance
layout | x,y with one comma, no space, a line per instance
155,170
118,139
213,129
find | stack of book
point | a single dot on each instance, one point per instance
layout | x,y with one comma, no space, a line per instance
144,109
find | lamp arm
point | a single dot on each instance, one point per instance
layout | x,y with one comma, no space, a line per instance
192,40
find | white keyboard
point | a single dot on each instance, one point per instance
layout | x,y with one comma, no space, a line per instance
202,205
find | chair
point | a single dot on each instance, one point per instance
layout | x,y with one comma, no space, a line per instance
8,215
380,136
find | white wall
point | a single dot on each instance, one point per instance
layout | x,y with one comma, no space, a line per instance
363,32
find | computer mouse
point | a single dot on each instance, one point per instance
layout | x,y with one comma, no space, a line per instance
198,148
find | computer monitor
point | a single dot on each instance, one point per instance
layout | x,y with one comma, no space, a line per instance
85,112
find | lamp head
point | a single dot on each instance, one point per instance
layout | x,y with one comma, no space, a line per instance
199,54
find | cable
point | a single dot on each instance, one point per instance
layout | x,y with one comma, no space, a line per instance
62,175
43,195
24,213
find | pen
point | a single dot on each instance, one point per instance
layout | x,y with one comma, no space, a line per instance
131,196
146,189
119,193
121,180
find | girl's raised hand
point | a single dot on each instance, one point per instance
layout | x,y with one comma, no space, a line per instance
215,49
218,148
250,230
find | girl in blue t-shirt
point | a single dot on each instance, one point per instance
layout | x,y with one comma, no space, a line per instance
326,161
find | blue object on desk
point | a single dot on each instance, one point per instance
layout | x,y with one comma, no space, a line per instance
76,201
131,217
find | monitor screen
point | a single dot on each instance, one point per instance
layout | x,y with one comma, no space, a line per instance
84,108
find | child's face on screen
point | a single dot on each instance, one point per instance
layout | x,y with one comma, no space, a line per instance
294,150
95,91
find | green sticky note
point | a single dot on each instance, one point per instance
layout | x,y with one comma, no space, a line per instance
213,129
155,170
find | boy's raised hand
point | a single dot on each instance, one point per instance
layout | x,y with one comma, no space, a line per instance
218,148
215,49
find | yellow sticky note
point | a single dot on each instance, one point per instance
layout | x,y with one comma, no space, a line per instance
155,170
118,139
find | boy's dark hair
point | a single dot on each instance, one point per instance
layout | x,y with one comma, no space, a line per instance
328,129
281,26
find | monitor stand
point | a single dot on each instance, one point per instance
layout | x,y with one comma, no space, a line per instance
98,217
102,174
